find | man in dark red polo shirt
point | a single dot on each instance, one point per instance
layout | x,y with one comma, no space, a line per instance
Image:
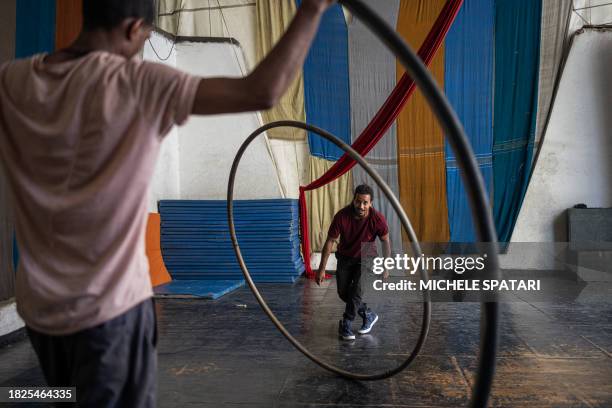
356,226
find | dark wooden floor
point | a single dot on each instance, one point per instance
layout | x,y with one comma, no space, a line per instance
226,353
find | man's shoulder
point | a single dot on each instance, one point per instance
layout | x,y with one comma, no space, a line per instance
345,212
17,65
378,216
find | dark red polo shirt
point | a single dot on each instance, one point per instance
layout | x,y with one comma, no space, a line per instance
354,232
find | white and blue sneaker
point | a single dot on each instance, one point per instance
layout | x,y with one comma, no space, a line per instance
369,320
344,330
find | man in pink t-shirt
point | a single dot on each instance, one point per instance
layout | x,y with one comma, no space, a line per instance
356,227
80,131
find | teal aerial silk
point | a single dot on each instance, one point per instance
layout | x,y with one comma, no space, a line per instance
517,55
35,31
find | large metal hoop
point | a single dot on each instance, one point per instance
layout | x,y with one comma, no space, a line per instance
426,319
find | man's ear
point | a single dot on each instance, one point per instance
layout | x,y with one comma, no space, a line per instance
133,26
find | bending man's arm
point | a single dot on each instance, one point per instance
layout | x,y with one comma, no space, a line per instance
327,248
268,82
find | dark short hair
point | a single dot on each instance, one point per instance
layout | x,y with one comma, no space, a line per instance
364,189
108,14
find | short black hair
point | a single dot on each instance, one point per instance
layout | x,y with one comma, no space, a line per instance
364,189
108,14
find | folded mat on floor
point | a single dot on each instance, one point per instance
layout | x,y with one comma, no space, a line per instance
208,289
196,243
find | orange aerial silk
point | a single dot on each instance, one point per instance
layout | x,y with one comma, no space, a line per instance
68,21
420,140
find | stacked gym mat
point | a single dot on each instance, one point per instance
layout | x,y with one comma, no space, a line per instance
196,243
206,289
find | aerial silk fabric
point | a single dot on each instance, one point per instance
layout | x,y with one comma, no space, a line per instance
289,145
69,21
468,81
273,18
554,41
327,105
35,27
420,140
372,72
517,51
325,202
326,84
383,120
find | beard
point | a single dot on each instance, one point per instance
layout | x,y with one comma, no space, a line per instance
357,212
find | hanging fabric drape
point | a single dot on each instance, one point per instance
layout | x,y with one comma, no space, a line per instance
288,145
69,21
381,122
517,44
469,87
326,84
420,140
553,43
326,201
327,103
35,27
273,19
368,93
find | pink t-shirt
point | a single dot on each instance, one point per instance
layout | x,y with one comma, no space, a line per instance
78,142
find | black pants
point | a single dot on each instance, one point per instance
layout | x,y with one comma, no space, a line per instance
348,283
111,365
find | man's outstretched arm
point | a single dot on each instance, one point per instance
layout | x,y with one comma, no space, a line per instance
263,88
327,248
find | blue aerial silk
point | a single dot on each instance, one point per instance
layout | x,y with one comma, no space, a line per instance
35,28
326,84
517,55
468,82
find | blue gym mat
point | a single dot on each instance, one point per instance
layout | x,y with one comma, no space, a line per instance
196,244
208,289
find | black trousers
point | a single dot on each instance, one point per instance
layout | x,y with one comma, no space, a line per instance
348,283
111,365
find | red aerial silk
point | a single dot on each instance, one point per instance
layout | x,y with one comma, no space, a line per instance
381,122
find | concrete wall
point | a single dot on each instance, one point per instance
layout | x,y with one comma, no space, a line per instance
291,158
196,158
575,164
9,319
591,12
166,179
235,19
208,144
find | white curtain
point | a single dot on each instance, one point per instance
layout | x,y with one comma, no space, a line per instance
373,77
554,32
